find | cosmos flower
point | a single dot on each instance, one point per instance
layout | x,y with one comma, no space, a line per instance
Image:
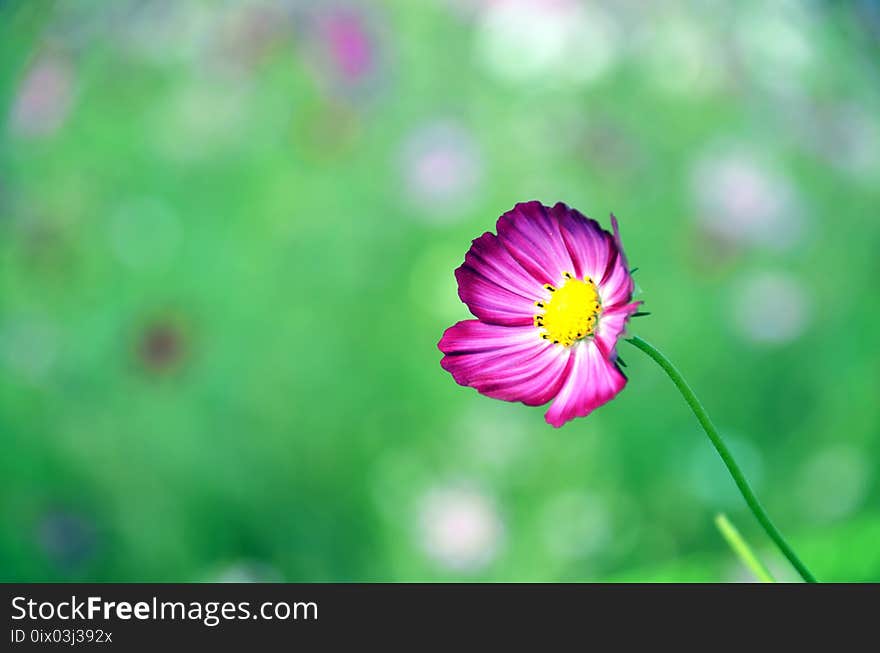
552,294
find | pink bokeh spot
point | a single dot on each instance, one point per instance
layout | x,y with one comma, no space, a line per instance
350,45
44,97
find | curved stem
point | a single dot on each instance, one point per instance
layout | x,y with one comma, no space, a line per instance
723,451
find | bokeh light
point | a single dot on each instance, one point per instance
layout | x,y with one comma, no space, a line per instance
460,528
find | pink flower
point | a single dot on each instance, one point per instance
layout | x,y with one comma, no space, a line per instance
552,294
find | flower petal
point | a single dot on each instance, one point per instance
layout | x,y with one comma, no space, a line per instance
616,287
592,381
490,259
509,363
534,239
611,325
474,348
492,302
592,248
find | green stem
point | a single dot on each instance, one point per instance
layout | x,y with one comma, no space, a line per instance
742,549
723,451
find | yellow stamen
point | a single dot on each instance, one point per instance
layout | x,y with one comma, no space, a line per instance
570,313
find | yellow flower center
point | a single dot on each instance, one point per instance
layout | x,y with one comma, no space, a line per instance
571,312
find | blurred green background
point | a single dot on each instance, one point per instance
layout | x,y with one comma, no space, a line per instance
227,237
